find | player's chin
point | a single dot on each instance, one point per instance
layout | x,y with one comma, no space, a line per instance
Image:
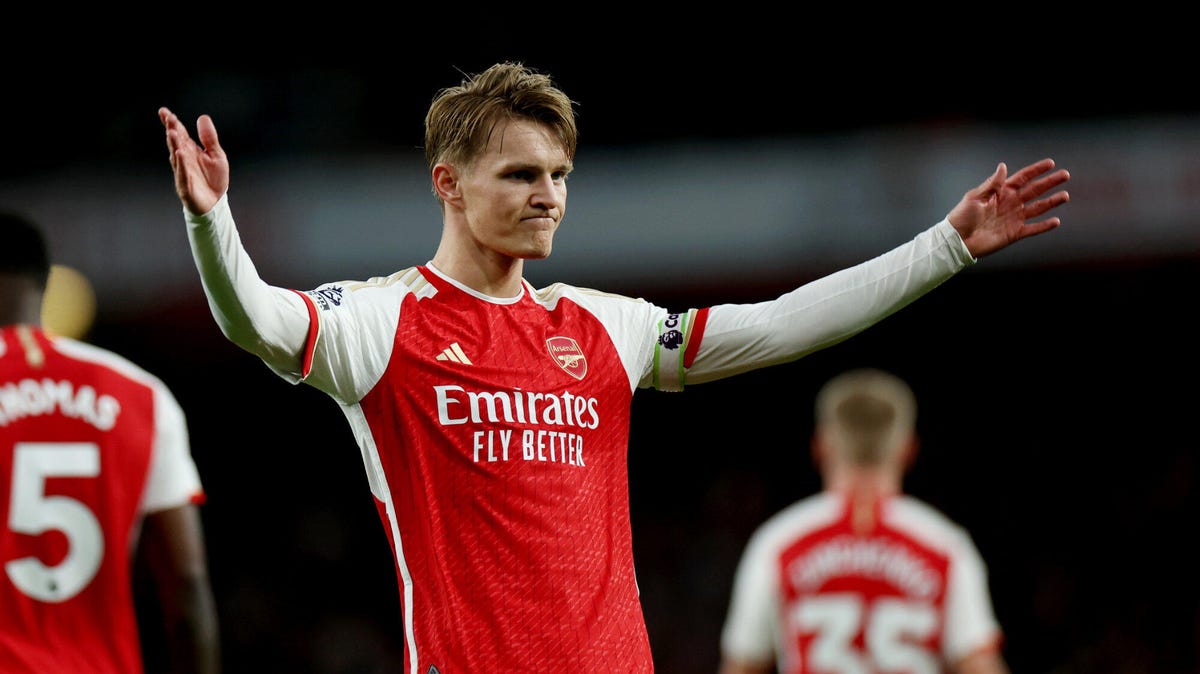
539,246
537,253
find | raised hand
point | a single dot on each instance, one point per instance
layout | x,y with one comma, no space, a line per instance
1003,209
201,169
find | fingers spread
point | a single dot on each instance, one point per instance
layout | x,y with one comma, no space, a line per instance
1035,228
1021,178
1036,208
991,184
1044,184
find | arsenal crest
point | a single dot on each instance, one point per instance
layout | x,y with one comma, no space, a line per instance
568,355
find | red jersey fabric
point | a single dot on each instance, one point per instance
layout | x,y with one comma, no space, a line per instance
501,432
79,432
907,594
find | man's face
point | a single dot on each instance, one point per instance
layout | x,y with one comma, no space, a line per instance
515,193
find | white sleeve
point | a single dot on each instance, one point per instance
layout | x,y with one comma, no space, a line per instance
270,322
971,624
743,337
750,627
173,479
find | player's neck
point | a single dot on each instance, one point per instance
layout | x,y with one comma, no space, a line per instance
486,272
864,483
21,309
863,491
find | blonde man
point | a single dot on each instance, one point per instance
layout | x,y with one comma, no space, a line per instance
493,417
861,578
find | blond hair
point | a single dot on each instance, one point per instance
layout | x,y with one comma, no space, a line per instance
461,119
867,413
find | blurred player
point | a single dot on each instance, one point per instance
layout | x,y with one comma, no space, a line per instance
69,305
861,578
493,417
94,461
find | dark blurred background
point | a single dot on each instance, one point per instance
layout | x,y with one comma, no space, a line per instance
1055,380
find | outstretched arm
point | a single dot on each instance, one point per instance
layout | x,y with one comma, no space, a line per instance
1003,209
267,321
201,169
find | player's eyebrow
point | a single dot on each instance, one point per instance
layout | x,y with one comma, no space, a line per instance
536,167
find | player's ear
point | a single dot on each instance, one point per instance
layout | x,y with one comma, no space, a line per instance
909,451
446,182
819,448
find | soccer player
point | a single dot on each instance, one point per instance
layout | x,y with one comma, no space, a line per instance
94,461
861,577
492,417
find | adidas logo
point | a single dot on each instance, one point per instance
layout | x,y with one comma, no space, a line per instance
454,354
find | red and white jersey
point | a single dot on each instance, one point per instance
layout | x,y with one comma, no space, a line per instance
906,597
494,431
89,443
